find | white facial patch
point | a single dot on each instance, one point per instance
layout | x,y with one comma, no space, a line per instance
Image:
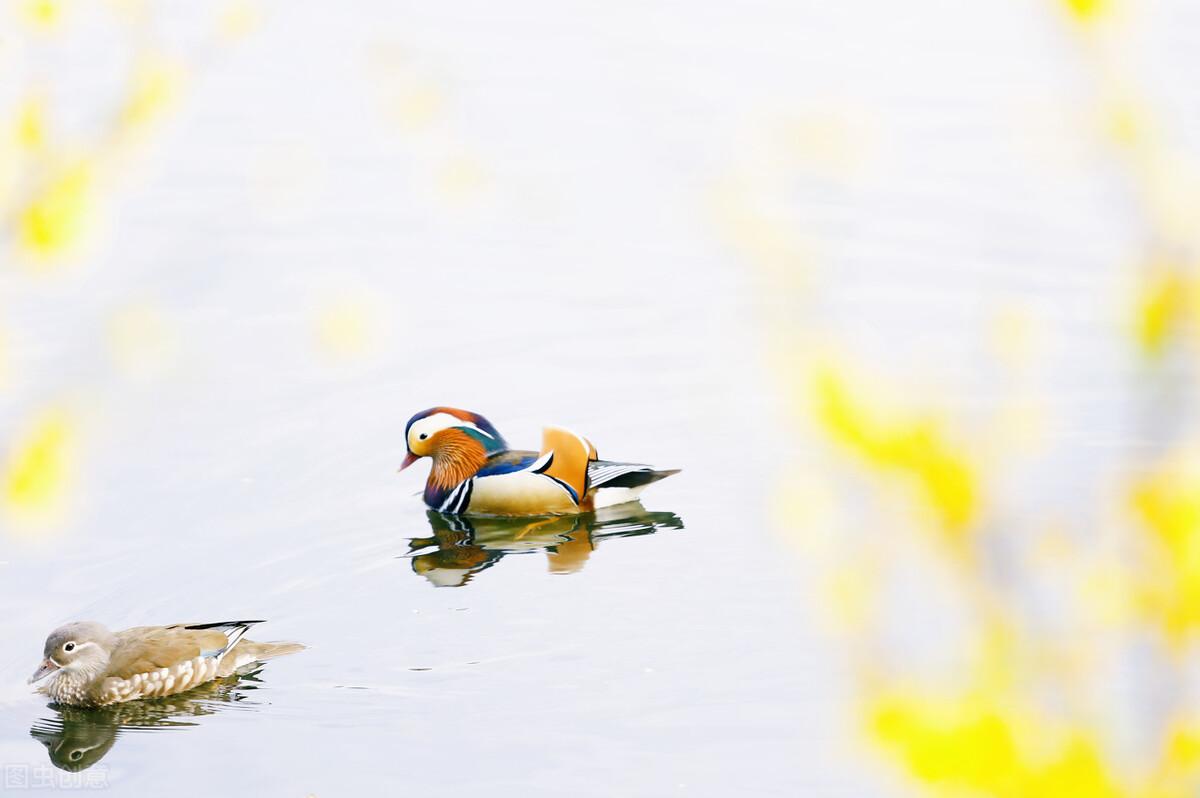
427,427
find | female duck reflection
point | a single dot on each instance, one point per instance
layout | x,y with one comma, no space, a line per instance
467,545
77,738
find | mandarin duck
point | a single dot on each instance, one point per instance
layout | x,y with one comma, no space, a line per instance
475,473
90,666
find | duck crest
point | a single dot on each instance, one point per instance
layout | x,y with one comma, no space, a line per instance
465,415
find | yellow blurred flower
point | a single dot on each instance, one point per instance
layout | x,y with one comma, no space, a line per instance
1163,305
1126,124
1168,502
345,327
1177,774
1105,592
56,218
1183,746
238,19
31,124
461,177
154,87
914,447
850,592
416,105
39,464
1087,10
958,743
976,743
45,14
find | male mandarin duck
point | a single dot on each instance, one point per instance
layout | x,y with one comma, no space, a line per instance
90,666
475,473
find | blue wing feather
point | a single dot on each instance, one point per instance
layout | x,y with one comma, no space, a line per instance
506,463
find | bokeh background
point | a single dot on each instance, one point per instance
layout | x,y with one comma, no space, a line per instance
910,291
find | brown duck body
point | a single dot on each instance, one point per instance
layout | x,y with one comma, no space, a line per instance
159,661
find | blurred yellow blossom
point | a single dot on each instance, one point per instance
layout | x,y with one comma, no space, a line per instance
31,124
1106,592
39,463
238,19
154,87
850,591
1183,745
460,177
415,105
1087,10
345,327
1126,124
1163,304
43,14
979,743
1168,502
56,218
916,447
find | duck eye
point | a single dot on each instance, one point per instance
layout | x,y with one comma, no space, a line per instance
423,436
76,755
69,647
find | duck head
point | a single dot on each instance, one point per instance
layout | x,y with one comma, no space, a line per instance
455,439
77,648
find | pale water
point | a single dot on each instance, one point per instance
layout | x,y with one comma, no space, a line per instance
536,212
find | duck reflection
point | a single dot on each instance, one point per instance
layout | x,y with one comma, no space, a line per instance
465,546
78,737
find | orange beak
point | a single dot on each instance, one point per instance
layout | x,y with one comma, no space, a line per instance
409,460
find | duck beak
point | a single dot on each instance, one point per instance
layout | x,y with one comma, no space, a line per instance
409,460
47,667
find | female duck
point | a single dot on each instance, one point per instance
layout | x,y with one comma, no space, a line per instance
84,664
474,472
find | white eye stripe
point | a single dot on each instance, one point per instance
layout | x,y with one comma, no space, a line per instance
428,426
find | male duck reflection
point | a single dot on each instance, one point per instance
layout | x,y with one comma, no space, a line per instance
474,472
465,546
90,666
